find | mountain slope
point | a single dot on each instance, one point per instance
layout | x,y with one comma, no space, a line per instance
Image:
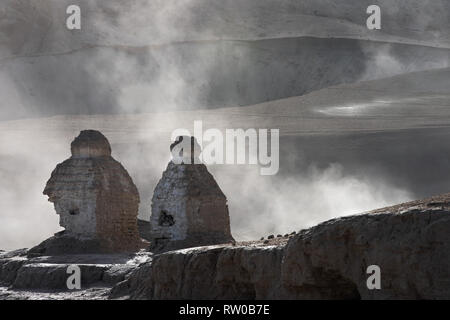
147,56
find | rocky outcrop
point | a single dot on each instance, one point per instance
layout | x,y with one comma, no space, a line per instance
10,263
18,272
412,250
96,200
188,207
410,243
207,273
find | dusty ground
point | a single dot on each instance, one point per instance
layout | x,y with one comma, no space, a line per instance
390,133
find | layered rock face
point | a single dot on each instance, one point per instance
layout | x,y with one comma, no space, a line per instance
46,277
96,200
188,207
410,243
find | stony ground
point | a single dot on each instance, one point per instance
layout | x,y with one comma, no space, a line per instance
88,294
44,278
409,242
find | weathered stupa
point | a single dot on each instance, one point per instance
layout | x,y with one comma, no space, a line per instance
188,207
96,200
